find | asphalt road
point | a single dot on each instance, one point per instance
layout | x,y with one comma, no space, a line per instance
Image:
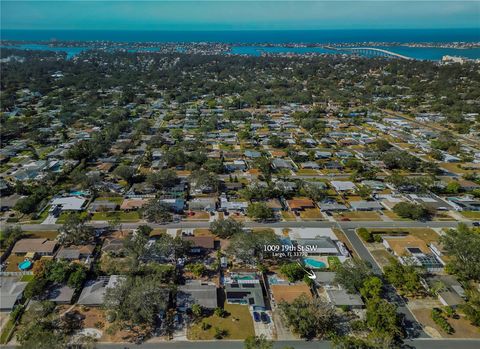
311,224
418,344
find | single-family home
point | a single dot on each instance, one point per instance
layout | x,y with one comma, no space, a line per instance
93,294
244,288
11,291
38,246
197,292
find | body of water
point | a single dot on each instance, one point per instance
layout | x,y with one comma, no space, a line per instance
421,53
274,37
252,36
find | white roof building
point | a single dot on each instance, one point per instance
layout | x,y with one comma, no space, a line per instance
69,203
311,233
343,185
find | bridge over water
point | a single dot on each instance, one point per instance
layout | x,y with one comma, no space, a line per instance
369,51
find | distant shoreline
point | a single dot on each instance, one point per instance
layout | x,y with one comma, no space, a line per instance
430,37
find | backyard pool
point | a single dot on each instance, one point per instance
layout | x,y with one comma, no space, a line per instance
78,193
314,264
25,265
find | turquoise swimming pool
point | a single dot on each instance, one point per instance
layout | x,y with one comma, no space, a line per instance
25,265
314,264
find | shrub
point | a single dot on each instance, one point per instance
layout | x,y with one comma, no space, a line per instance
206,326
377,238
220,312
220,333
365,235
441,321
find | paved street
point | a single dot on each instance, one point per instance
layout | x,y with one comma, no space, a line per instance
297,224
418,344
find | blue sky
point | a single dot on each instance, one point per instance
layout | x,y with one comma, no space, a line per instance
238,15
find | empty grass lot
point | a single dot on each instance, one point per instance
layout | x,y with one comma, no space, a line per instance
311,214
131,216
239,324
471,214
288,216
426,234
359,216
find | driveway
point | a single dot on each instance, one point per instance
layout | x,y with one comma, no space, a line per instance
268,329
283,332
51,219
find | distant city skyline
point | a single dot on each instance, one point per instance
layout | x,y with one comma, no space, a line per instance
238,15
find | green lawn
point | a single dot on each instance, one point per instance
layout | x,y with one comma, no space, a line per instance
116,199
132,216
26,278
239,324
42,216
471,214
7,329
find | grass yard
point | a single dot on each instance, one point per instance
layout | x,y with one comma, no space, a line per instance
426,234
442,216
358,216
307,172
463,328
288,216
238,324
382,257
26,278
202,232
311,214
198,215
51,235
42,216
6,331
455,168
12,262
157,231
116,199
471,214
131,216
394,216
115,265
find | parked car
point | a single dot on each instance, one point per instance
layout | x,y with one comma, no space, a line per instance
256,316
476,224
265,318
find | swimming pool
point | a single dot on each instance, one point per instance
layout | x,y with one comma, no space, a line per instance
314,264
26,264
77,193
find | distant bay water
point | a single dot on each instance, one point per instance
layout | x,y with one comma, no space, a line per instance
253,36
273,37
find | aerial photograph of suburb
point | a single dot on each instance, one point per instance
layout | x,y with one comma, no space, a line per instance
240,174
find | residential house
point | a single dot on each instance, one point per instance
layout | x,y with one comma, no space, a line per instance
11,291
244,288
37,246
60,294
341,186
197,292
300,204
93,294
363,205
75,253
103,206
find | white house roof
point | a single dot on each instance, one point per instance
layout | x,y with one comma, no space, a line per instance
69,203
343,185
311,233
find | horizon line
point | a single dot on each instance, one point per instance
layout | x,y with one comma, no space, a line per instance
239,30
